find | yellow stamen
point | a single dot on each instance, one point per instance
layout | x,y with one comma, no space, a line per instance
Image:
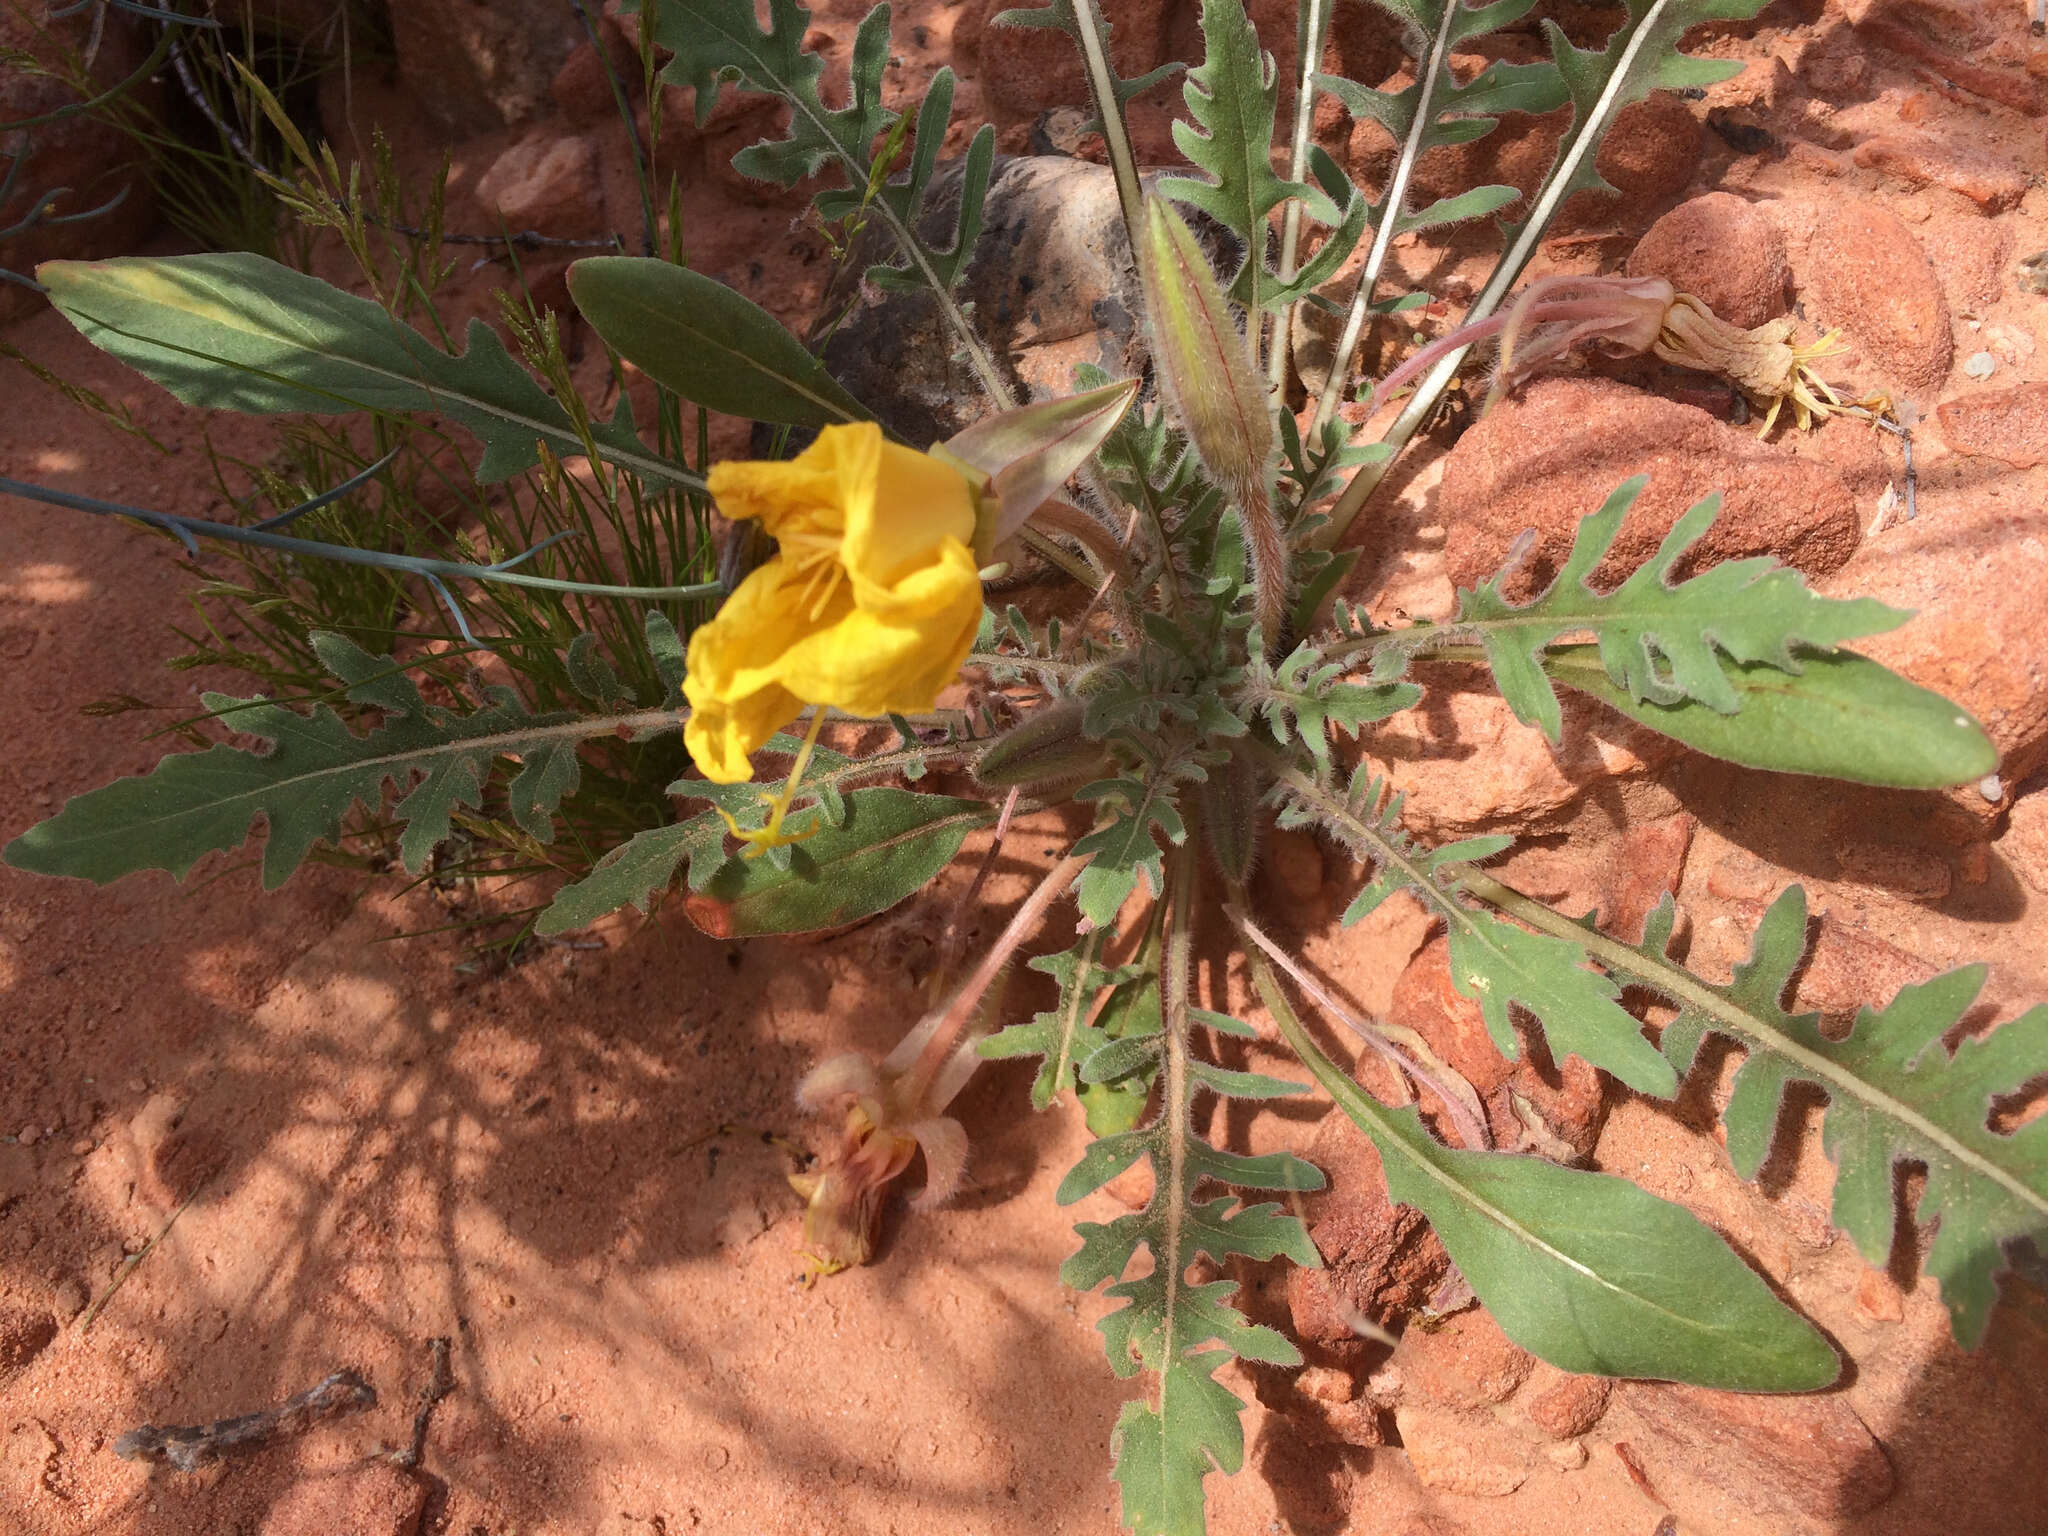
760,839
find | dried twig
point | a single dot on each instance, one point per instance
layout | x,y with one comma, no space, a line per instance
188,1447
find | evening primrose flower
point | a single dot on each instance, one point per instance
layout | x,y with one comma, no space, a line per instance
869,604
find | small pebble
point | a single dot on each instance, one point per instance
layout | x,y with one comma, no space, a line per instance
1980,365
1990,788
82,1147
29,1136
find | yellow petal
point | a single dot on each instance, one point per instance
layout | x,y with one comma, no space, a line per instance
916,504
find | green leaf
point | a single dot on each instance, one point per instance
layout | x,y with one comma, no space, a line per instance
1841,716
1583,1269
1124,846
236,332
1233,95
1660,642
638,872
715,40
1492,961
891,842
714,347
1060,1035
195,803
1304,694
1177,1331
1895,1095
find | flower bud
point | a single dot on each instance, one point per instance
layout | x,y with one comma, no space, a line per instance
1048,748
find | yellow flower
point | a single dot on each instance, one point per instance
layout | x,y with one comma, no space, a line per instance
869,605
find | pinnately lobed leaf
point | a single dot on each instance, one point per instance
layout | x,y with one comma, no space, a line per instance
195,803
1659,641
1233,96
1895,1094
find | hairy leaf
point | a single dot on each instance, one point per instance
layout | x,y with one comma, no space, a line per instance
889,844
714,40
1123,845
1233,95
236,332
196,803
1840,716
1895,1094
1586,1270
714,347
1061,1035
1304,695
1661,642
638,872
1492,962
1177,1331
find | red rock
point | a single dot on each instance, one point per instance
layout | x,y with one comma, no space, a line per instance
1026,70
1549,455
2024,844
1914,872
1294,861
1381,1261
25,1332
1462,1453
1867,273
1464,1362
1804,1456
366,1499
1973,579
547,183
2007,424
1997,85
1651,150
1650,866
1722,250
1517,153
1510,775
582,91
1991,183
1878,1299
1971,257
1562,1405
483,64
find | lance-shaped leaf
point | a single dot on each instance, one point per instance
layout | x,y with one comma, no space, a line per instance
1061,1035
1030,452
1586,1270
889,844
1840,716
236,332
714,347
195,803
1659,641
1234,96
1895,1095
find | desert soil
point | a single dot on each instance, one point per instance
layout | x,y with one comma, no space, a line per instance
574,1170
